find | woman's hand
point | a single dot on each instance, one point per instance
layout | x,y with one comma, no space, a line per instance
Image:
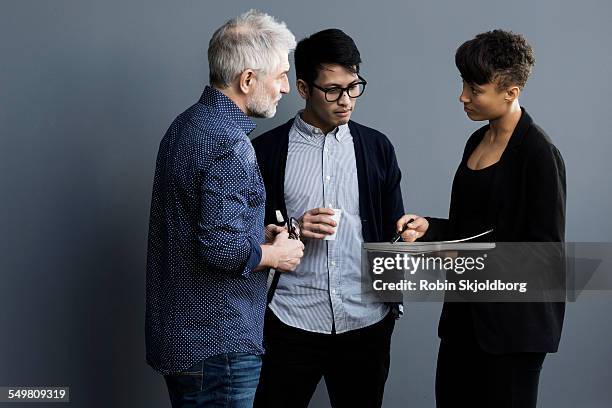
416,228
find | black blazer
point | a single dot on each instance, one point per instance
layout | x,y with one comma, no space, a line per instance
378,176
527,204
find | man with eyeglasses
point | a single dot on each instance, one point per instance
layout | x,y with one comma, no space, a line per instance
314,165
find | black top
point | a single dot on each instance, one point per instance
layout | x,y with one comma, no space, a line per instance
472,185
526,204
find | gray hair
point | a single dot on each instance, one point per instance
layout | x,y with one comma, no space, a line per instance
253,40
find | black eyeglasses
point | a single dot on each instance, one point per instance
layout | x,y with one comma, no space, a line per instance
354,90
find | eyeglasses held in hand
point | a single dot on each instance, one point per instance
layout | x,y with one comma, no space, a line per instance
293,228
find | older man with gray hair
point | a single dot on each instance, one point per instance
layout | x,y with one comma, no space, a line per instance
208,249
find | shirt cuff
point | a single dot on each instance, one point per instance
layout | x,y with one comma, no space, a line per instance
254,257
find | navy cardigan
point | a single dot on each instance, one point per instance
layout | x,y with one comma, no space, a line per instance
378,176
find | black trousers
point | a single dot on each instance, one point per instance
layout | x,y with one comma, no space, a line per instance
354,365
467,376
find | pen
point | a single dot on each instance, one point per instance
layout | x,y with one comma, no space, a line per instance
399,234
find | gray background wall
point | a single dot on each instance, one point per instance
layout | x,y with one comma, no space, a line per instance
89,87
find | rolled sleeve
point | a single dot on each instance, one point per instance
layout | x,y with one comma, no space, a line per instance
255,256
226,243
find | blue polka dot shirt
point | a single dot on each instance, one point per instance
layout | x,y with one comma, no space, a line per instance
206,226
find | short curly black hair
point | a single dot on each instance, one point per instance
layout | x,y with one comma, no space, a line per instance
495,56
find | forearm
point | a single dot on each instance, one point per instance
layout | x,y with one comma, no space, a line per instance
269,257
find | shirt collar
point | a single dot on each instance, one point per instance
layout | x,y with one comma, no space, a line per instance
216,99
308,131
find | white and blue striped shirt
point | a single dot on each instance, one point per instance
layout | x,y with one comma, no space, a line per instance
324,292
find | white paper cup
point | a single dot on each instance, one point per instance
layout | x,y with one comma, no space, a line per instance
335,217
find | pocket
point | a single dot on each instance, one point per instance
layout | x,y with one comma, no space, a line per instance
348,192
194,370
185,382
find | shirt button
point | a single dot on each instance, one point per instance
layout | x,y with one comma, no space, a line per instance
327,178
334,291
333,263
330,205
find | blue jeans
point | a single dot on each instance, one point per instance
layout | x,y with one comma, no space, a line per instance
225,380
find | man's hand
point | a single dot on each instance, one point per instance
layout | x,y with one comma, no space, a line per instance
317,223
288,252
416,228
272,231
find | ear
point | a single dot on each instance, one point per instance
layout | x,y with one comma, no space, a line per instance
246,81
303,89
512,93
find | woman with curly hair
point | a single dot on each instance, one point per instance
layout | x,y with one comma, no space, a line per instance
511,179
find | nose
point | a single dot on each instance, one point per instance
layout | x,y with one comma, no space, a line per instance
344,100
463,98
285,86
